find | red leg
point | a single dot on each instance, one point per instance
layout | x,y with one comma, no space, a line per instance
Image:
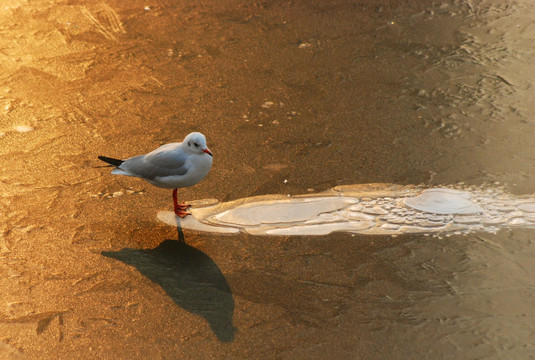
175,199
179,208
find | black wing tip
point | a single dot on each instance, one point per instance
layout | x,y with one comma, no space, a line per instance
111,161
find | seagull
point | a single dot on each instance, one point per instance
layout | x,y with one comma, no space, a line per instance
171,166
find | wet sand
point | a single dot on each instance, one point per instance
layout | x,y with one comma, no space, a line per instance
294,98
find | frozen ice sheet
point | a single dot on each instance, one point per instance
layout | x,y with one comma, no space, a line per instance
365,209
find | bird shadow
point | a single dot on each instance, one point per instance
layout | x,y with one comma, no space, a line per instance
190,277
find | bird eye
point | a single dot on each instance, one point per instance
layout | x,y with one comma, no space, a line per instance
196,145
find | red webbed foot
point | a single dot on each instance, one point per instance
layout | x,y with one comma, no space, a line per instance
180,209
182,214
182,206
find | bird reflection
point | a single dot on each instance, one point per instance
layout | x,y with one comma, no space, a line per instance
190,278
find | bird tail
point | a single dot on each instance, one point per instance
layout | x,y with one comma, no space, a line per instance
111,161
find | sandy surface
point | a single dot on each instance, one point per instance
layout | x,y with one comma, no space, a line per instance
294,97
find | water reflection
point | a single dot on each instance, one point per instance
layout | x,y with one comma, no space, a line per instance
190,278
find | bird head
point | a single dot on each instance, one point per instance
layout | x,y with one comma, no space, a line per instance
196,143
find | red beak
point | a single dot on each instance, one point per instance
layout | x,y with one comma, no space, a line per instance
208,152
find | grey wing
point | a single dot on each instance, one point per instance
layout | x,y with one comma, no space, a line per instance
167,160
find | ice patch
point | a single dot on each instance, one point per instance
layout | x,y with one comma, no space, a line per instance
444,201
320,229
189,222
365,209
23,128
267,104
527,207
290,211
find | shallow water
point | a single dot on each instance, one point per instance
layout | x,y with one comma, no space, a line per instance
294,98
